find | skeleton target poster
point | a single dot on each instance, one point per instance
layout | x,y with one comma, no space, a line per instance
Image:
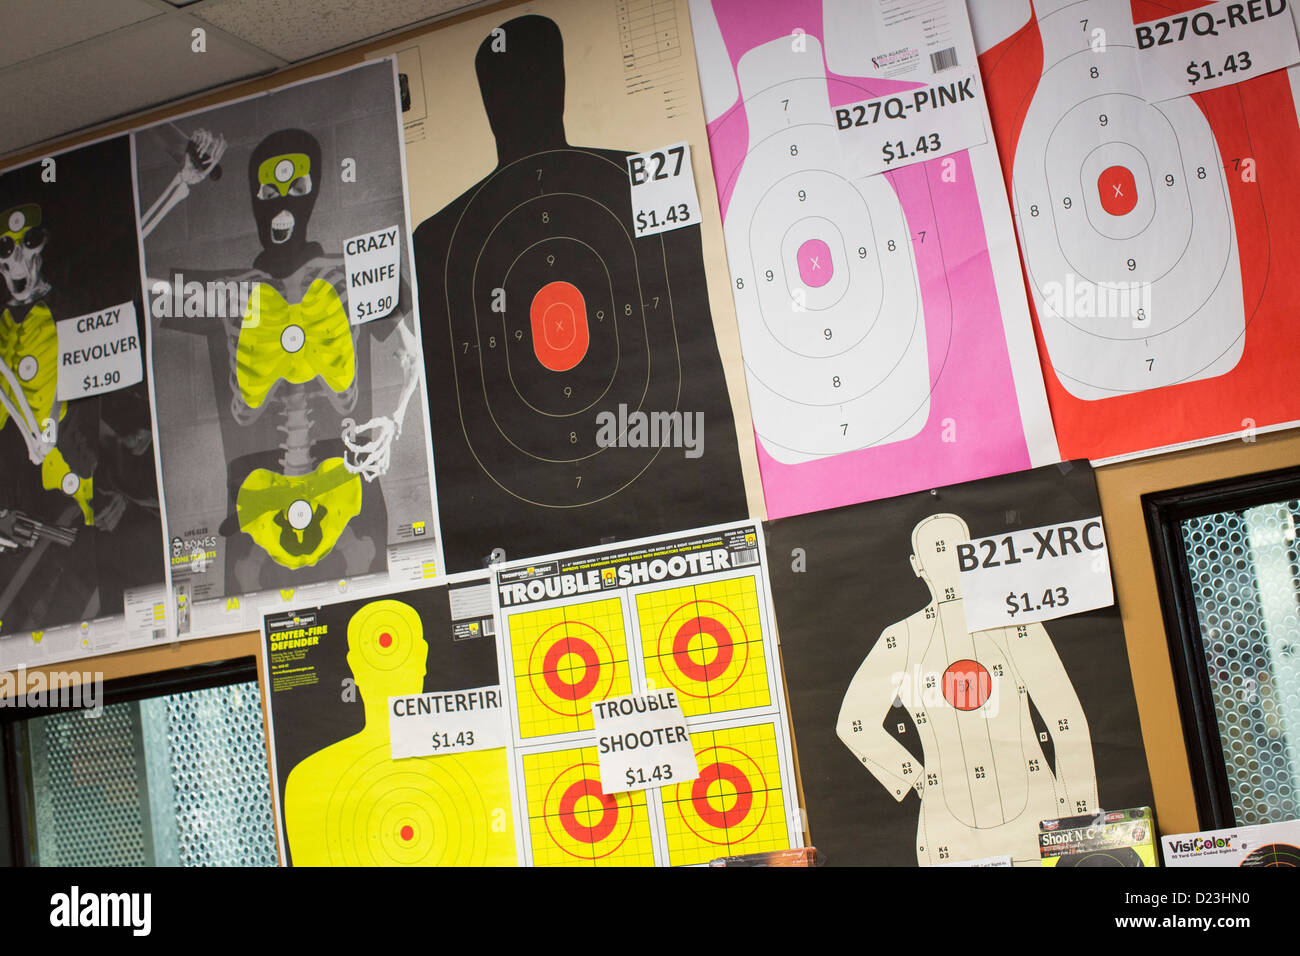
289,385
920,741
582,367
80,528
886,340
1156,234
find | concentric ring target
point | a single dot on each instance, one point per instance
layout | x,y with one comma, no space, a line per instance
728,802
834,337
386,636
571,664
704,648
556,313
1273,854
581,820
421,811
1125,219
1117,856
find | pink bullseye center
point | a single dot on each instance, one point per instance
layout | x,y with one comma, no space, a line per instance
815,266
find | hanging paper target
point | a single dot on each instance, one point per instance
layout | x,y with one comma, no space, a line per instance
1273,854
564,660
824,273
735,804
1125,217
424,811
573,823
385,636
705,641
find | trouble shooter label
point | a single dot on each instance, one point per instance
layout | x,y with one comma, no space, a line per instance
642,742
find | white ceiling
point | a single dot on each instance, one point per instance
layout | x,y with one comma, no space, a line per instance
71,65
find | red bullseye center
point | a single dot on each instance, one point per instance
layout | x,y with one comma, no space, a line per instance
558,315
407,832
557,678
385,639
967,684
687,633
585,792
724,816
1117,190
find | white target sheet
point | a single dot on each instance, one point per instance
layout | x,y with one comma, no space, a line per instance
877,310
1151,205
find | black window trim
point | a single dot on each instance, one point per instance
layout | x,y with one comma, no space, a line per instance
1164,511
179,680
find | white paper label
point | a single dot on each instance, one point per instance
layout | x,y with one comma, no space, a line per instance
447,722
1265,844
984,861
642,742
373,264
1035,574
663,190
98,352
1214,46
890,132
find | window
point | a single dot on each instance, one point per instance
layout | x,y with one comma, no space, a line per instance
164,776
1229,566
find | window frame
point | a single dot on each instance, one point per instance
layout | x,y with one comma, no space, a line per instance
17,845
1164,511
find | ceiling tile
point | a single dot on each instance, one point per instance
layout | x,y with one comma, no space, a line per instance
295,31
33,27
126,71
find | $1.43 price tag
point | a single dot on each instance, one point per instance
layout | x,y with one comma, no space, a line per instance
98,353
373,264
447,722
890,132
663,190
1213,46
642,742
1035,574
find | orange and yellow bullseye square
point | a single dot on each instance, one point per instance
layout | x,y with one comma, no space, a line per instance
734,806
572,823
705,642
565,659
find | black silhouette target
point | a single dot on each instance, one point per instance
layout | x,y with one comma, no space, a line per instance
529,386
1125,220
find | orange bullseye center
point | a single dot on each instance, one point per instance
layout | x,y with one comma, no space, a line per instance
385,639
558,315
407,832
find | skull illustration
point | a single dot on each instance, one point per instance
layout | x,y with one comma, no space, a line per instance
22,243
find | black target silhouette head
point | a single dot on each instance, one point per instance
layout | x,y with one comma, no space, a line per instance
520,68
284,176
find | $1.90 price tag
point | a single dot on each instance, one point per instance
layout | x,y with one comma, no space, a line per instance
98,353
373,264
663,190
890,132
1213,46
447,722
643,742
1035,574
